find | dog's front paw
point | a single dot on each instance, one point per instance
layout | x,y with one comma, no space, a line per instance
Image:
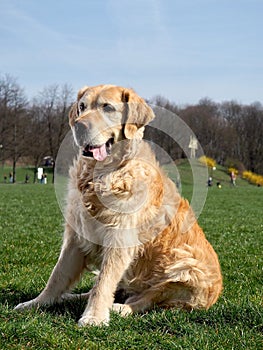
92,321
27,305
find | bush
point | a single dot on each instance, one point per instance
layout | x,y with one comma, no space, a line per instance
253,178
210,162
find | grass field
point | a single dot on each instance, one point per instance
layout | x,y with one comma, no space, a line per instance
31,227
21,173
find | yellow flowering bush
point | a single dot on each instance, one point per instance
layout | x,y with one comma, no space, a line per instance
253,178
210,162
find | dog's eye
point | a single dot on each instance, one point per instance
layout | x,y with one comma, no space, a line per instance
108,108
81,106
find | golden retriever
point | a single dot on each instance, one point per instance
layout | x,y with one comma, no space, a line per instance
126,218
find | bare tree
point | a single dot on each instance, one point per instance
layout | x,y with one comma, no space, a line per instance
37,147
250,128
53,106
13,113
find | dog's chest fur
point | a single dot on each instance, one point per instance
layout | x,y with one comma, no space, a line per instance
129,201
120,189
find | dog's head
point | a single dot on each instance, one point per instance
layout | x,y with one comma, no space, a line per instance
104,115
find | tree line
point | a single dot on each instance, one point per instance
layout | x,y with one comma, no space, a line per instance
32,130
229,132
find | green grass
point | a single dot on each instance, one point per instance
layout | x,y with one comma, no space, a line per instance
31,228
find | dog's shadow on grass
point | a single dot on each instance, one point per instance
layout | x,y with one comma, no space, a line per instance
73,308
172,320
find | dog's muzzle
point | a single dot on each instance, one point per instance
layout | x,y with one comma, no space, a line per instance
89,149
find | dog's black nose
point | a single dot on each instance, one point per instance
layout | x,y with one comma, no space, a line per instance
80,132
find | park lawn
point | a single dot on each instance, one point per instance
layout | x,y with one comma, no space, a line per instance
31,226
21,173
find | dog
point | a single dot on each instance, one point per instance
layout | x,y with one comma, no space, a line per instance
125,217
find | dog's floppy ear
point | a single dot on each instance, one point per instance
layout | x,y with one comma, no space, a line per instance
138,113
82,92
73,113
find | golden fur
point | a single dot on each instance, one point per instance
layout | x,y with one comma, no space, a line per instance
125,217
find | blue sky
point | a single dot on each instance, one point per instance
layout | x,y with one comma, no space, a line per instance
183,50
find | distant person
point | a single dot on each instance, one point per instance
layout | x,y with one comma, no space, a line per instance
26,179
5,179
210,181
233,178
45,179
10,178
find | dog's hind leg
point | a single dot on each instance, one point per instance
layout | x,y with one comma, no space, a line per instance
66,272
154,297
138,303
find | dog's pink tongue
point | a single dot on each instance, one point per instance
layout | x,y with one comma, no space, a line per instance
99,153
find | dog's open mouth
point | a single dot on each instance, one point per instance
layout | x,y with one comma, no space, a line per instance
99,153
